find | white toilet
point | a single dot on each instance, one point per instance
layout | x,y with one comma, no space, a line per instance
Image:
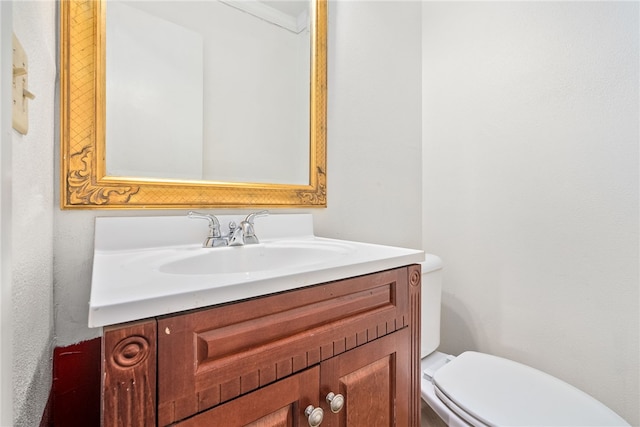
481,390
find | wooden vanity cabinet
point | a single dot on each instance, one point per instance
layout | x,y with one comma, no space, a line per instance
262,362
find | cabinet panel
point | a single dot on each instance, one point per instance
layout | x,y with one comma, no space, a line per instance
373,382
280,404
281,418
370,394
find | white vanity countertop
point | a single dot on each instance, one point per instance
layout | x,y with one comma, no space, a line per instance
132,267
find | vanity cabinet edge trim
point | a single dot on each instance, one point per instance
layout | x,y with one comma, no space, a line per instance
129,361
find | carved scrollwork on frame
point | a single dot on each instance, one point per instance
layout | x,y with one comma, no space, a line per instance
317,197
85,183
81,190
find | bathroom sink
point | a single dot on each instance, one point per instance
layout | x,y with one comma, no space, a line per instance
151,266
271,256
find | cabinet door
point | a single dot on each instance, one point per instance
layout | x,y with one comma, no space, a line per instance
281,404
375,382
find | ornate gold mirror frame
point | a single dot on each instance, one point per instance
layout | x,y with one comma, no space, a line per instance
84,183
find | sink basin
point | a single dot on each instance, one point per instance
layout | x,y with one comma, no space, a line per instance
152,266
278,255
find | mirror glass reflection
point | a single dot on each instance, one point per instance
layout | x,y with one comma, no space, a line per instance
208,90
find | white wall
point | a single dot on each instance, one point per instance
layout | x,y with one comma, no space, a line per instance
374,148
34,23
530,191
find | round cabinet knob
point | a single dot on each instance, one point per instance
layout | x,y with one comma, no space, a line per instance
335,401
314,415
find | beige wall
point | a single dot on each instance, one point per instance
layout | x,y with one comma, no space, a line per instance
530,133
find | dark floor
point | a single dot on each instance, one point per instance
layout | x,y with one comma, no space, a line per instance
430,418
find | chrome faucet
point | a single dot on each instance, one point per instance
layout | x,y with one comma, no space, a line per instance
245,234
241,235
215,237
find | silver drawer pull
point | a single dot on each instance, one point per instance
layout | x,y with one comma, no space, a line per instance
335,401
314,415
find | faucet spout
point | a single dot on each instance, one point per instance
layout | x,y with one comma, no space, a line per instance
237,237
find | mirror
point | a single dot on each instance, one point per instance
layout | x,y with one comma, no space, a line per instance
230,81
92,175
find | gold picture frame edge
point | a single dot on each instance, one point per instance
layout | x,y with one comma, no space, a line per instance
83,185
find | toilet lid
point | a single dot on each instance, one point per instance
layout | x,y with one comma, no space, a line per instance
489,390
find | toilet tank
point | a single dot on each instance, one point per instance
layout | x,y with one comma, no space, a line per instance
431,298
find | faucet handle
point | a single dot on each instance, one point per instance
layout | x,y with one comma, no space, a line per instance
254,215
247,227
215,238
214,224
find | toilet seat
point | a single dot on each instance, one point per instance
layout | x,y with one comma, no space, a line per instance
487,390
